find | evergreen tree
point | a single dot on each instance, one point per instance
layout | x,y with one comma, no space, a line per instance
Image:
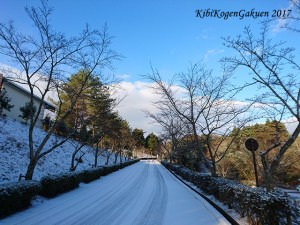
92,114
27,110
4,102
93,105
152,143
138,136
266,135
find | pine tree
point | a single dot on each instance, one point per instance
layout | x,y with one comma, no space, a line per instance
152,143
27,110
4,102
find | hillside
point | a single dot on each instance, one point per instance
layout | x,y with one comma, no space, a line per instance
14,153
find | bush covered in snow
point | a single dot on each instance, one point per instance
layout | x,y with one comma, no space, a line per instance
17,195
87,176
110,168
53,185
259,206
128,163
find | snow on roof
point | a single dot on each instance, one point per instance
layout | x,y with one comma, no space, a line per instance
19,80
28,92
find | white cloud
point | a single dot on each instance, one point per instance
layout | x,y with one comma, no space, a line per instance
281,22
290,124
212,52
205,34
122,76
139,97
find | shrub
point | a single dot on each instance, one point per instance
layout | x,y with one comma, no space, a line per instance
27,110
4,102
54,185
87,176
109,169
46,123
90,175
15,196
259,206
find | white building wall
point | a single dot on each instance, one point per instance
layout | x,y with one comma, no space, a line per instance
18,99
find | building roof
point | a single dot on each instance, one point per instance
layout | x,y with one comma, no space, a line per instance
3,79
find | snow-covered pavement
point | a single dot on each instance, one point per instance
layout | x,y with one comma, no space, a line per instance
142,194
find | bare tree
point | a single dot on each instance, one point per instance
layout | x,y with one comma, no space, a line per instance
186,100
220,119
77,148
221,115
274,69
209,109
52,56
172,129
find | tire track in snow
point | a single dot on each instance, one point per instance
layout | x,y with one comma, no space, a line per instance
154,210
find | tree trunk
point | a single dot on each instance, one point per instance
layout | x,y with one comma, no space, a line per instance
116,157
96,155
269,180
213,168
72,168
204,163
108,154
121,157
268,174
30,169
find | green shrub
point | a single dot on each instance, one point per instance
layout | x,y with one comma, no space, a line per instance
15,196
259,206
90,175
4,102
54,185
27,110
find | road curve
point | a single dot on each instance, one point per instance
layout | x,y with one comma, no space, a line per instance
142,194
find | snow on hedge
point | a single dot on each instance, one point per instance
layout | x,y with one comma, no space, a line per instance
257,205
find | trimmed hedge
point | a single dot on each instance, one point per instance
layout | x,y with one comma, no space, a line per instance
53,185
15,196
87,176
110,169
257,205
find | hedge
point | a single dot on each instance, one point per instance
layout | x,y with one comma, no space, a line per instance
15,196
87,176
257,205
53,185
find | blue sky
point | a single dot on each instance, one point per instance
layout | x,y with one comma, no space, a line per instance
165,33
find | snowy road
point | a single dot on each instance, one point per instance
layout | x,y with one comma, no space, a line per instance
142,194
